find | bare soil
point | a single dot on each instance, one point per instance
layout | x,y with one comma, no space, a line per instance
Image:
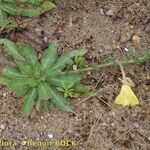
106,29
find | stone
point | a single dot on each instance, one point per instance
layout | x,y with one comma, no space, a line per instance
136,39
110,12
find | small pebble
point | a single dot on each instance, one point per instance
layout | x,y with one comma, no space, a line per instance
4,94
2,126
110,12
126,49
136,125
50,135
74,67
113,114
112,124
45,39
104,124
89,73
101,11
69,131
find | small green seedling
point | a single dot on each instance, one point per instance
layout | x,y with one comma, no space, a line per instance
80,61
38,80
10,8
66,89
73,90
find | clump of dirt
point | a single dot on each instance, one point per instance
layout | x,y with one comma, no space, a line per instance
106,29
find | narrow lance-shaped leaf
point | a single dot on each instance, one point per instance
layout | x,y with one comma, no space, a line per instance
50,73
76,52
22,91
82,88
31,12
29,102
11,48
4,21
37,69
67,78
9,1
12,73
50,56
25,69
59,100
33,2
3,80
28,53
12,24
47,6
18,85
10,8
43,91
39,104
32,82
66,59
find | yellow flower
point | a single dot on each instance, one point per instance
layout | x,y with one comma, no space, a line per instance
126,96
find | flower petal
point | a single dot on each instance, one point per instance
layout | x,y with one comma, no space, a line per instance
126,96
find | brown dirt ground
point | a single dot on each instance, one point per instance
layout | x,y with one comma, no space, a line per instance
99,123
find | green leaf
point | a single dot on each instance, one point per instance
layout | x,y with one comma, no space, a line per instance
39,105
77,52
65,79
22,91
28,53
80,61
31,12
25,69
11,48
82,88
37,69
33,2
10,8
8,1
50,73
17,84
59,100
12,24
43,91
29,102
67,85
51,105
50,56
3,80
66,59
60,89
12,73
4,21
32,82
47,6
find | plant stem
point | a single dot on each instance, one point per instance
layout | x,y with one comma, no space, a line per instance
122,71
133,61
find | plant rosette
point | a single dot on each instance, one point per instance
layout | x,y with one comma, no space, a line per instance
11,8
38,80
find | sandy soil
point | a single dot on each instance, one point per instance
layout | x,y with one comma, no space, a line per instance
105,28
